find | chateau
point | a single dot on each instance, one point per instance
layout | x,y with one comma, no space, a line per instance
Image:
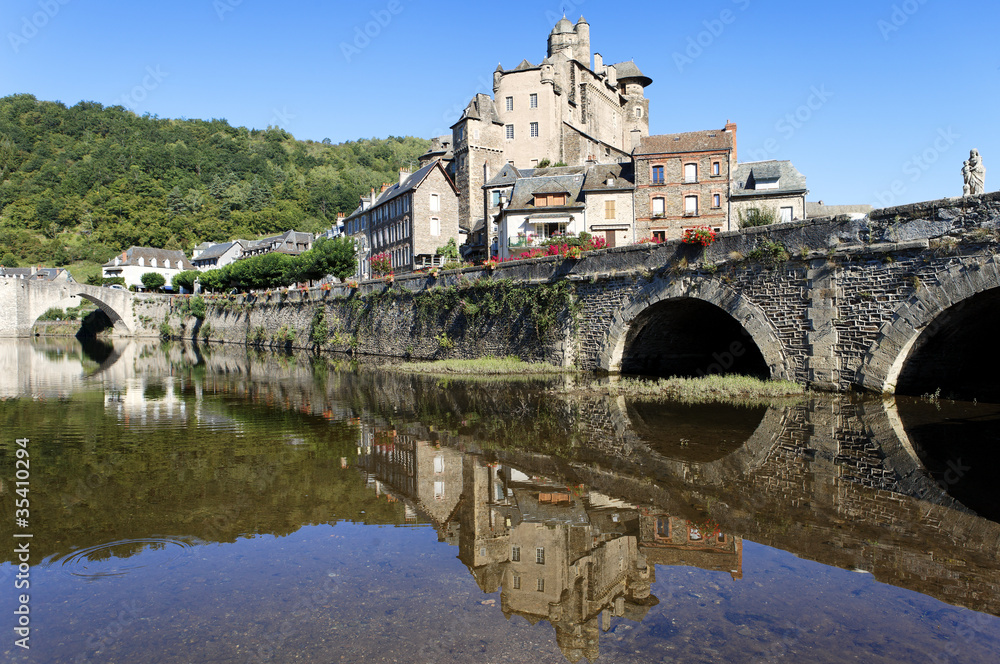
570,110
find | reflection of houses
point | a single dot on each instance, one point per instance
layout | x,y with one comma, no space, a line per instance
145,400
556,553
668,540
424,474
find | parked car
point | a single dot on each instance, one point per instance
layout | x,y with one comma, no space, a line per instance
117,287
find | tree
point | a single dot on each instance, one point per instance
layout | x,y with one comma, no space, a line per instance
449,250
756,216
153,280
185,280
337,257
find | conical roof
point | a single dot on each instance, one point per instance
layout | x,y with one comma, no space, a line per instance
563,26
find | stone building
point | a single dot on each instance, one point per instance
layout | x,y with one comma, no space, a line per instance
772,186
209,256
137,261
683,181
408,220
293,243
572,109
533,206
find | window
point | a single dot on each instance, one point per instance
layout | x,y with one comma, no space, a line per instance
716,169
787,213
658,206
716,200
540,555
540,585
609,210
638,112
435,203
515,554
534,130
694,534
691,205
658,175
663,528
495,198
166,263
510,104
534,100
660,235
460,134
438,490
435,226
516,582
534,163
142,261
690,172
510,132
439,464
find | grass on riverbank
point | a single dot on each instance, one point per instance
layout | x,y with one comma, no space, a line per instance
486,366
740,390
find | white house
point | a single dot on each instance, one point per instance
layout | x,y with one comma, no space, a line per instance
137,261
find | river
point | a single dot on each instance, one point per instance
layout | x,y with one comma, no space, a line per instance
208,504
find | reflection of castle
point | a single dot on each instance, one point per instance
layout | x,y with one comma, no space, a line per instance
559,553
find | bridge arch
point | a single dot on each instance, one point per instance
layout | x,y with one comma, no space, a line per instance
941,337
709,303
33,298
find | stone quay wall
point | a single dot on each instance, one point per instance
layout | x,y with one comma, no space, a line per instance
819,297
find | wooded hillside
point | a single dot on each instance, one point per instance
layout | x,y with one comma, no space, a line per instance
81,183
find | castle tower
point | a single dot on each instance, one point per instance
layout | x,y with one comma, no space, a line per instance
563,39
582,50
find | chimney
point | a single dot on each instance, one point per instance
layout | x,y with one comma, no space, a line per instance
404,174
731,128
598,64
385,185
612,76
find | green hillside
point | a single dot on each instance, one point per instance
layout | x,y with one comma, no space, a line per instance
79,184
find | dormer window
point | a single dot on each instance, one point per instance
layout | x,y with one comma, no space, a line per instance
549,200
764,184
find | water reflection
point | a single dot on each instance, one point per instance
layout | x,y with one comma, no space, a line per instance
579,513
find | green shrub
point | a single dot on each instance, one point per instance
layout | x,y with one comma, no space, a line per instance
757,217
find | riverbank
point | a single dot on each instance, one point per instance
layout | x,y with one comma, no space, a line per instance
737,390
486,366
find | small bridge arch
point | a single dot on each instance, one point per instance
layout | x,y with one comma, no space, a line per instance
696,302
22,302
945,333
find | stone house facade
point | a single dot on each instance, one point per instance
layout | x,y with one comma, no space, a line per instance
213,256
769,185
408,221
293,243
571,109
137,261
541,204
683,181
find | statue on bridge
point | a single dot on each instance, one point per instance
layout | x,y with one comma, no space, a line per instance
974,174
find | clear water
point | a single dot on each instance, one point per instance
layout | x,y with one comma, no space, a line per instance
210,505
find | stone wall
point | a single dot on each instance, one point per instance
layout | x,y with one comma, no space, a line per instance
833,303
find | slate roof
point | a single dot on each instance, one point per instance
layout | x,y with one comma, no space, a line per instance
745,176
411,183
597,177
715,140
219,250
177,258
523,198
42,273
480,108
628,70
507,176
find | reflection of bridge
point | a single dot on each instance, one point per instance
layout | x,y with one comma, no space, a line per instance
23,301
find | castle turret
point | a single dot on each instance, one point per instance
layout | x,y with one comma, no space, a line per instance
582,50
563,39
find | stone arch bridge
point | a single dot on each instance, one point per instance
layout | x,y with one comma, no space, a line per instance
22,301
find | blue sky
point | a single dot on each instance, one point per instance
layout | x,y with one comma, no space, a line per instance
875,101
